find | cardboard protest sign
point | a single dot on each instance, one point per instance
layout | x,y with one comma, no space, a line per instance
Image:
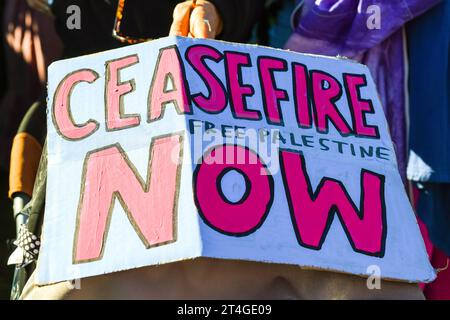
182,148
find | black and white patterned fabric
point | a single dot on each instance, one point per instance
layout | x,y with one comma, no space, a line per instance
29,243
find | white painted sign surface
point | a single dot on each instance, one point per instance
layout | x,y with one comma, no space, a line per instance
181,148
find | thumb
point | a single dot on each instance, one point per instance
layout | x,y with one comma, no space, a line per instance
180,24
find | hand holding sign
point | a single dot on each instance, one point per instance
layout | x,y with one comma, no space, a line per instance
196,19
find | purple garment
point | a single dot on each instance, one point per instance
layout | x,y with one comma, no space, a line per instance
340,27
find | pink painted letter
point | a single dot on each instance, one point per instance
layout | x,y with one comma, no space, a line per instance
169,67
271,94
312,212
326,91
359,106
233,218
114,92
62,116
217,100
303,108
150,205
237,90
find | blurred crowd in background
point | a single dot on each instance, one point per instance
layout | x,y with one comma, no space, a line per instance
405,44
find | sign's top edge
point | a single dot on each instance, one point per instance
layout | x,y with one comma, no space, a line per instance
177,38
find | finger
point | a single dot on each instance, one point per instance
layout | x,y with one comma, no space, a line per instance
180,24
200,26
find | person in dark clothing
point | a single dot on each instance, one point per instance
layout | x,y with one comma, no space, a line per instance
146,19
230,20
